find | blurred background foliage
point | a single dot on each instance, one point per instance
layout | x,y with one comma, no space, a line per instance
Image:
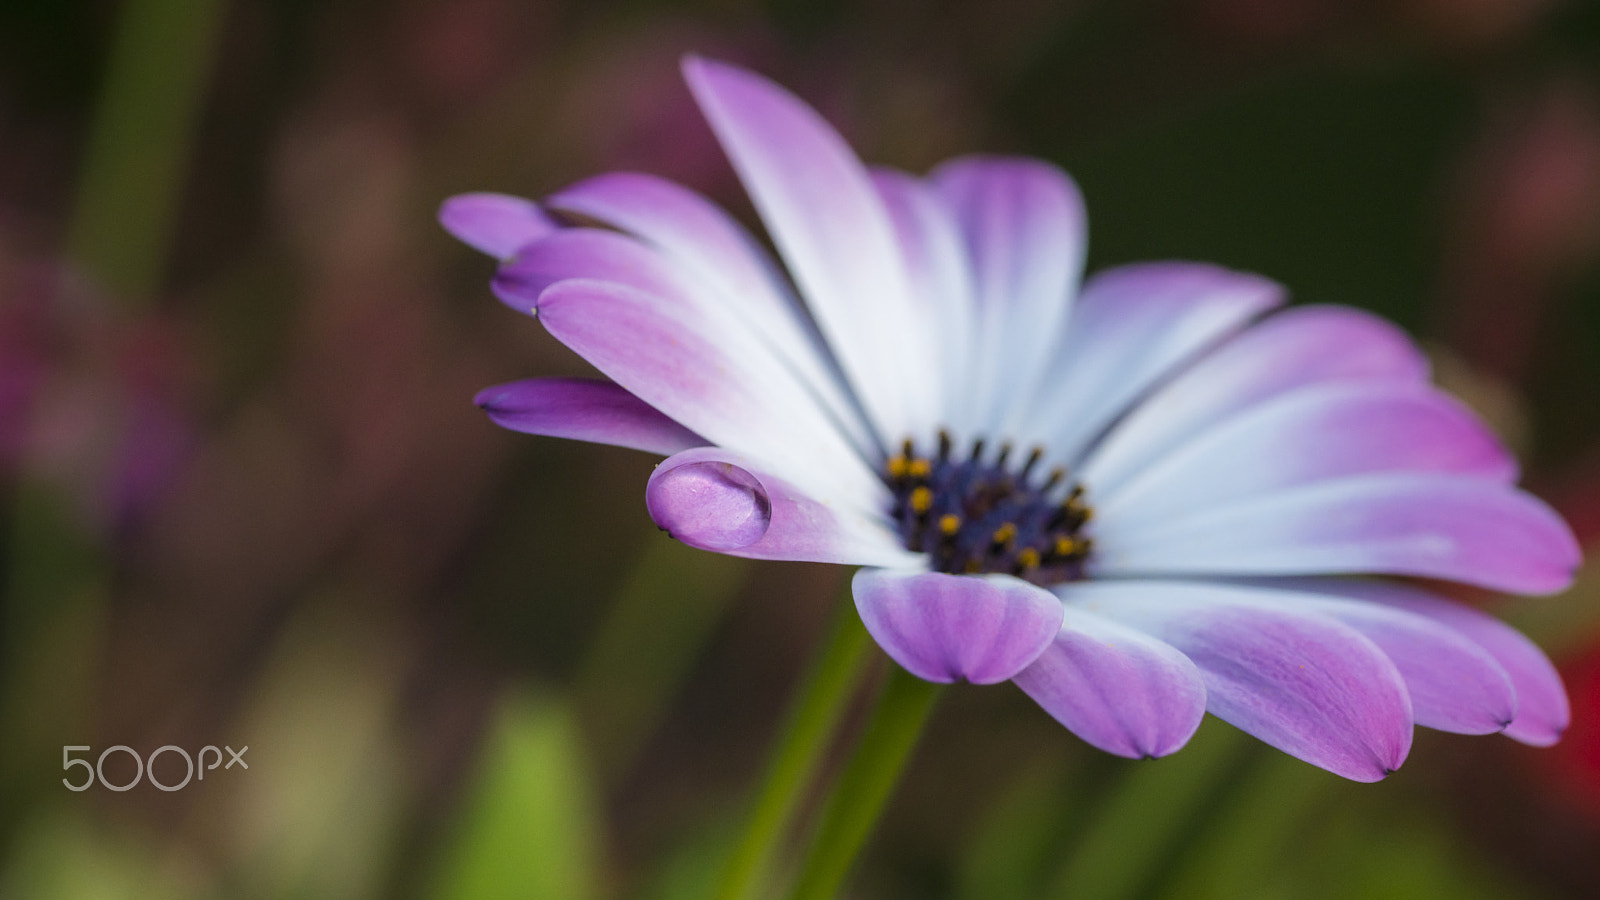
247,500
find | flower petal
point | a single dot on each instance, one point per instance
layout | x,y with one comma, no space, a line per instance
715,499
1543,711
697,371
496,224
685,226
1455,685
593,254
1132,327
1297,679
1436,526
1300,346
941,285
938,627
1023,224
726,265
833,233
1312,434
1117,688
584,409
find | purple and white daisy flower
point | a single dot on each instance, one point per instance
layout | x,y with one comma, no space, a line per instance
1141,500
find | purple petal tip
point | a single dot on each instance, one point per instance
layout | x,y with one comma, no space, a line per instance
944,628
496,224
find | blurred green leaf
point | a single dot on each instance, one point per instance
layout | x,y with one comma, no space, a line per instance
530,824
62,856
139,146
319,812
53,626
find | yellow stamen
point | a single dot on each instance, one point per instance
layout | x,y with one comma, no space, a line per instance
1005,534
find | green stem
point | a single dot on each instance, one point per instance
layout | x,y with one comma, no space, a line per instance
806,736
860,794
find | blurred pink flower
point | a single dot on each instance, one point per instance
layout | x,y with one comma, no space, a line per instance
91,399
1527,215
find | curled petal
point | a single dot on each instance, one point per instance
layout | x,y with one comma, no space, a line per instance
714,499
584,409
496,224
1297,679
1436,526
1290,349
710,504
938,627
1117,688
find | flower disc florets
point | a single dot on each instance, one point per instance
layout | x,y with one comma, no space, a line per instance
972,513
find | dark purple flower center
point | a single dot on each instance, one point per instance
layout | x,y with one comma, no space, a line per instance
975,513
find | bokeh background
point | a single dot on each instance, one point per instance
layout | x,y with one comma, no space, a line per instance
247,500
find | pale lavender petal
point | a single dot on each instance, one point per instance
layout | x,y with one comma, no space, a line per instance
1024,229
938,627
1115,687
728,269
715,499
1132,327
941,286
1312,434
1543,711
1296,347
584,409
496,224
592,254
1435,526
1297,679
698,371
833,233
685,226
